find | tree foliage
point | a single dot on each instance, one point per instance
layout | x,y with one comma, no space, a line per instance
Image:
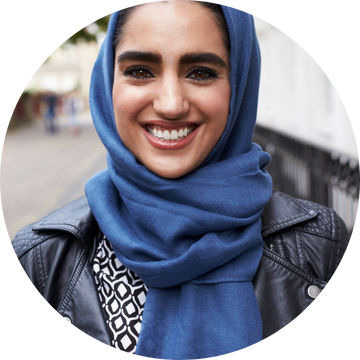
89,33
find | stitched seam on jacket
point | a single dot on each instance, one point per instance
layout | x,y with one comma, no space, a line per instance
293,268
333,227
300,251
276,244
332,263
72,283
39,269
280,245
331,273
317,231
341,235
301,204
32,244
280,224
65,227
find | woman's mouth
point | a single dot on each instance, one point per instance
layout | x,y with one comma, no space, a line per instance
170,135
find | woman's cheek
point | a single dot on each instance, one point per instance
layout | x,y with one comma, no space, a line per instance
130,101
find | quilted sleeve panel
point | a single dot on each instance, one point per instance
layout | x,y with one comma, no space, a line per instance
20,248
41,254
24,240
329,227
342,236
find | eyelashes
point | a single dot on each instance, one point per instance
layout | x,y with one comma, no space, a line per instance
198,73
138,72
202,74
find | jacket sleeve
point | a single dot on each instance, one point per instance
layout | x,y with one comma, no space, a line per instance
342,236
49,259
26,248
324,240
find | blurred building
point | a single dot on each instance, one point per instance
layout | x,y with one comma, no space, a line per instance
68,68
302,123
298,96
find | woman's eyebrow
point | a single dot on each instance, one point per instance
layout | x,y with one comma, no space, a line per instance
139,55
202,57
184,59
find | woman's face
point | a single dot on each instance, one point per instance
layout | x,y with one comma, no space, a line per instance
171,89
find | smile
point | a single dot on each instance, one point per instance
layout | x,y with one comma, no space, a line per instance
170,135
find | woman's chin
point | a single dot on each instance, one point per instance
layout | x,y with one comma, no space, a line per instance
170,170
169,174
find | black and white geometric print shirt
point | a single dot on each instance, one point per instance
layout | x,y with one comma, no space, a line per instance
122,295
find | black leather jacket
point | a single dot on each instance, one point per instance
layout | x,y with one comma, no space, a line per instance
303,245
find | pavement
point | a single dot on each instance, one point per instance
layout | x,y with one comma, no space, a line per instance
42,172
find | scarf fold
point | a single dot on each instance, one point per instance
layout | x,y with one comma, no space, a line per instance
194,241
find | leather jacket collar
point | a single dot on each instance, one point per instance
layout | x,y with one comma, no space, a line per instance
274,217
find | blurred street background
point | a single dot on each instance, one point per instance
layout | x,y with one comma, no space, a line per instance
42,172
51,147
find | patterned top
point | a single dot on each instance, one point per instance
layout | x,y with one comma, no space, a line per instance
122,295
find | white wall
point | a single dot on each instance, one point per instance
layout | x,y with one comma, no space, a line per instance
67,68
296,97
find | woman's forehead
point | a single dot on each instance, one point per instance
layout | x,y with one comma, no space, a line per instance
172,26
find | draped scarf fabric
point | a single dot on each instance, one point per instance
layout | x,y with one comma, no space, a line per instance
194,241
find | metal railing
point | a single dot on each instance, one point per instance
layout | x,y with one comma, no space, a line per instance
307,172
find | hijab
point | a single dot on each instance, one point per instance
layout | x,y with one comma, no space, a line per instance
195,241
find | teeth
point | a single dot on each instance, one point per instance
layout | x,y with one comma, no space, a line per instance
174,135
166,135
170,136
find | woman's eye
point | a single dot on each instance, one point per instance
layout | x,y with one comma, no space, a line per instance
141,73
202,74
138,73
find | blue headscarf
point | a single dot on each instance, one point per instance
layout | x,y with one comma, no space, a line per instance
194,241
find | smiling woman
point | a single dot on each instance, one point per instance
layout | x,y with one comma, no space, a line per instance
171,92
181,249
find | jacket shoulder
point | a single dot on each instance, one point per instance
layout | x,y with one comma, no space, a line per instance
327,232
309,235
303,245
54,250
284,211
75,218
327,223
56,254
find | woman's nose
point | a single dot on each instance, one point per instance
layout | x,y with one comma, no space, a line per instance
171,101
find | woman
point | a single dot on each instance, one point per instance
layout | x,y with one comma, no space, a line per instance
173,253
